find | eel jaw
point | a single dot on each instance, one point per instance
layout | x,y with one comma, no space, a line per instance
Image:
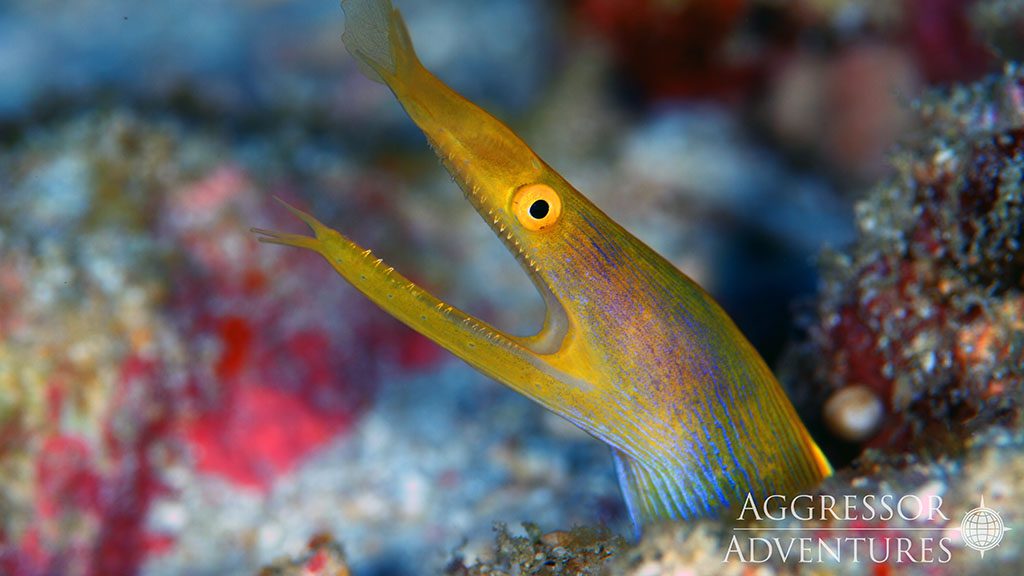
517,362
487,199
554,333
548,340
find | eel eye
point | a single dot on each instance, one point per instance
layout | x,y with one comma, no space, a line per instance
537,206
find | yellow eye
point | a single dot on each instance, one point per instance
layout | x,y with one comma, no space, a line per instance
537,206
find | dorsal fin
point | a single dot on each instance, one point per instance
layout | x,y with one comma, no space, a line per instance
376,35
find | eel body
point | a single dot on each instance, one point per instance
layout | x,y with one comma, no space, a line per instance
631,350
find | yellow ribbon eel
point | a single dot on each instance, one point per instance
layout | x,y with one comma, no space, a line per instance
631,350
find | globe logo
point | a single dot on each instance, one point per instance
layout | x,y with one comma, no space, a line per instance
982,528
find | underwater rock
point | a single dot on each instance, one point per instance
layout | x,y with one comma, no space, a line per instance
680,549
926,308
88,364
581,551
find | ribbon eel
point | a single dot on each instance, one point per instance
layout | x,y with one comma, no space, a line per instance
631,350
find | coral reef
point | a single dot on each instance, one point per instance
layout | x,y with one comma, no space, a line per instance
926,309
87,364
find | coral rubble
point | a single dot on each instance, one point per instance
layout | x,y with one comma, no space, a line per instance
581,551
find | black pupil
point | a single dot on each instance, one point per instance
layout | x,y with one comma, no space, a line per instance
539,209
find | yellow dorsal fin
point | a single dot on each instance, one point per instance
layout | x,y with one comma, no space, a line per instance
376,35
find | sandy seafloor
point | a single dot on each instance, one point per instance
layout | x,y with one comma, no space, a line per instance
178,399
